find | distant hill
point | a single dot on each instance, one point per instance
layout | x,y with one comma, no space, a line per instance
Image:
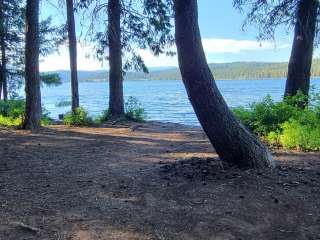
235,70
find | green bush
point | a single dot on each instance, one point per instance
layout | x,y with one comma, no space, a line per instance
284,123
106,115
12,113
78,118
12,108
10,122
134,110
266,116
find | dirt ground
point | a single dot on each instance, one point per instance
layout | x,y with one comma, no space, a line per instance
148,181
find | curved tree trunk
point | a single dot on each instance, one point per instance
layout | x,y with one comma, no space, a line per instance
233,143
302,49
116,103
73,55
33,95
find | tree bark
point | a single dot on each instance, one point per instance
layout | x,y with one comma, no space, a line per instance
231,140
3,67
116,102
3,73
32,119
73,55
302,49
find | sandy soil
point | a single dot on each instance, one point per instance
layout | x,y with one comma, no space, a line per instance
148,181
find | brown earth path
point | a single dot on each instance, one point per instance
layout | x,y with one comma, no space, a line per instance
148,181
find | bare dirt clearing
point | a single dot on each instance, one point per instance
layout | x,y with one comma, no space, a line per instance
148,181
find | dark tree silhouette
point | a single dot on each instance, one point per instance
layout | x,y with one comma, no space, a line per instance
231,140
73,54
268,15
116,102
302,49
132,25
3,65
32,79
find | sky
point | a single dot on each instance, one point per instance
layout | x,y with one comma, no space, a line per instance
222,36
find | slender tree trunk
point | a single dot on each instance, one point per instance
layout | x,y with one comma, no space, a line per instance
73,55
3,85
4,69
33,95
231,140
116,103
302,49
0,84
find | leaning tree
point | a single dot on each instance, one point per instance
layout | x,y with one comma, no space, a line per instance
119,29
302,15
231,140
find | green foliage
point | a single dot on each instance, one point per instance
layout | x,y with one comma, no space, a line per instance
300,136
78,118
144,25
10,122
265,116
12,108
284,123
12,113
134,110
106,115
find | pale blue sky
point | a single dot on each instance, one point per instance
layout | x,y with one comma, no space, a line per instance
223,39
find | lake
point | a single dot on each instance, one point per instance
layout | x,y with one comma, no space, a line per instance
163,100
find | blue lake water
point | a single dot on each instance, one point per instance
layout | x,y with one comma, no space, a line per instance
163,100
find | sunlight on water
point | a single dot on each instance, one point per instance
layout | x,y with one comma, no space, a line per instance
163,100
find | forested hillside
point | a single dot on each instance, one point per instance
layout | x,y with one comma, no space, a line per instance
236,70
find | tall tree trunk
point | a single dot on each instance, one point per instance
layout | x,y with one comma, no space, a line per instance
116,103
0,84
3,65
33,95
231,140
73,55
4,69
302,49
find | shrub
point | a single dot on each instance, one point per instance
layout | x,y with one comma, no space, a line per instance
266,116
10,122
12,113
134,110
284,123
106,115
78,118
12,108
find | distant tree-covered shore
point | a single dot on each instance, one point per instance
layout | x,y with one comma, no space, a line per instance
234,70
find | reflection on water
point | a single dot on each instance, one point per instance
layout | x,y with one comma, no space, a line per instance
163,100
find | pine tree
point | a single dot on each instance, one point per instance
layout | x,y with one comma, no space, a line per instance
131,25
